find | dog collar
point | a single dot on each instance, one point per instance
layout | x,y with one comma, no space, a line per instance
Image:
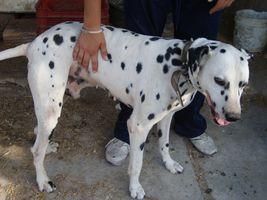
184,56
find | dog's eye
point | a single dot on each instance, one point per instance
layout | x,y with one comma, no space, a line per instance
219,81
242,84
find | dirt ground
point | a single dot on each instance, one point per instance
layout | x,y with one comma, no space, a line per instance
79,168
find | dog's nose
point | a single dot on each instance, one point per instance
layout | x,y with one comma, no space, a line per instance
232,117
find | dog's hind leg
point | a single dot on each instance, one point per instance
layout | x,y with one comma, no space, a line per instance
163,133
138,135
52,146
47,104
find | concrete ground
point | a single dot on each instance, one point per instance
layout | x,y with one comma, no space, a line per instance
237,172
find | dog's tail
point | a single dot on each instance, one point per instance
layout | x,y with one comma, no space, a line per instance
20,50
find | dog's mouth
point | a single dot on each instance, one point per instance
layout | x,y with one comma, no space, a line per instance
216,117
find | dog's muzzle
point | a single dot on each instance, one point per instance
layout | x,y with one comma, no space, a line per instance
216,117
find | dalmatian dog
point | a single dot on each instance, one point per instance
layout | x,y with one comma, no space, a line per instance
155,76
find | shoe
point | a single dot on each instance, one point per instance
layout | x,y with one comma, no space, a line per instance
117,151
204,144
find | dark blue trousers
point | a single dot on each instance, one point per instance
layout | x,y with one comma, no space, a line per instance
191,19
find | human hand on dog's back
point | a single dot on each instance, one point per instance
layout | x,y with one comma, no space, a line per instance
91,39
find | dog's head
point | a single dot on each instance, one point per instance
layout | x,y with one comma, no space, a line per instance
220,72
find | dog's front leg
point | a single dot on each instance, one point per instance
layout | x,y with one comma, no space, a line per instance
163,133
138,137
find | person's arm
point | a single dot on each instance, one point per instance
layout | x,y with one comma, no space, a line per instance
92,40
221,4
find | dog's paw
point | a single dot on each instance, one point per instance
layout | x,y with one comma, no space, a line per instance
137,192
47,186
52,147
174,167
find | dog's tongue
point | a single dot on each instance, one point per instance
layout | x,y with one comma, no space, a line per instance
221,122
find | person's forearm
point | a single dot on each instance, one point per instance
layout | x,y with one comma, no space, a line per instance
92,14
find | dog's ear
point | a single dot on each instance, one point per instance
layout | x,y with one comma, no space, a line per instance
196,57
247,54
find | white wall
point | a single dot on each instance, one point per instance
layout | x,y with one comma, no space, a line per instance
17,5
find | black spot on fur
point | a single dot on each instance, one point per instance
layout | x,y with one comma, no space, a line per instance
58,39
154,38
51,76
44,53
170,50
165,69
47,46
177,50
53,86
141,92
143,98
167,145
127,91
160,58
159,133
151,116
124,30
51,65
158,96
122,65
214,104
175,45
138,68
226,98
222,50
45,40
223,111
167,56
68,22
241,58
227,86
73,38
57,29
147,43
213,47
169,107
222,92
125,47
60,104
52,185
110,28
109,57
176,62
131,85
142,146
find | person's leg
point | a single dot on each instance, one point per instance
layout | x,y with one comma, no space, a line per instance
144,17
189,122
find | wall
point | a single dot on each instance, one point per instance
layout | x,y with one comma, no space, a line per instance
227,21
17,5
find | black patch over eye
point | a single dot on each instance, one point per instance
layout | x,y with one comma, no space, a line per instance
219,81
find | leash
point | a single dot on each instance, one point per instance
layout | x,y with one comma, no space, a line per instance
177,74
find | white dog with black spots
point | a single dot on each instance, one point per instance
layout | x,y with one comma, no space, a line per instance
155,76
